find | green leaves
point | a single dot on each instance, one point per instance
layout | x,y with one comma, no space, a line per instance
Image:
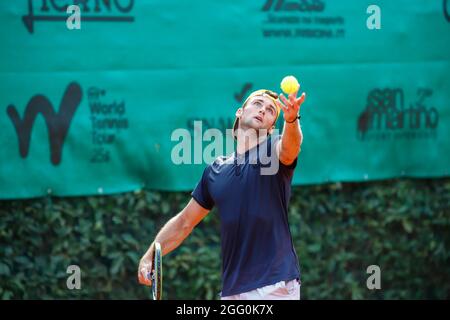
116,265
400,225
407,225
338,231
4,269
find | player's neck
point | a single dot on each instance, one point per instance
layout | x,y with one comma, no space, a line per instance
247,139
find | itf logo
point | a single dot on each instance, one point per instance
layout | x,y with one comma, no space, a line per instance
57,122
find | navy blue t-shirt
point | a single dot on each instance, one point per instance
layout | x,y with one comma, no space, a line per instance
251,192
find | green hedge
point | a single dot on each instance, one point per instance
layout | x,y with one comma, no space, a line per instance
338,229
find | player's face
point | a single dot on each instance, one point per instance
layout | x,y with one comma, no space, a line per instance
259,113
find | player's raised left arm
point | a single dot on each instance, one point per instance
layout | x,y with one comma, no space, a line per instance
289,145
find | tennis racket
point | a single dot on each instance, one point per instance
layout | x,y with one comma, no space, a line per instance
157,273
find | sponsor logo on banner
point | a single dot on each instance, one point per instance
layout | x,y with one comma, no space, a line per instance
300,19
107,116
222,123
91,10
58,123
386,116
109,120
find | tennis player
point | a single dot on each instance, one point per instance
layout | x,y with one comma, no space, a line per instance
251,189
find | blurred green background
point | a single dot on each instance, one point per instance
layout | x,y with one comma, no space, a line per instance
403,226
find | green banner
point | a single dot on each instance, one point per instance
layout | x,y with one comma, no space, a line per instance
102,109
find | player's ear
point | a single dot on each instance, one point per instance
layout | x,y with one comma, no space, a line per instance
271,129
239,112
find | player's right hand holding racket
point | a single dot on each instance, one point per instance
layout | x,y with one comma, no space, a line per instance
150,270
145,267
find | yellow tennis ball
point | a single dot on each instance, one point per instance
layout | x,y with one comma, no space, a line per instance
289,84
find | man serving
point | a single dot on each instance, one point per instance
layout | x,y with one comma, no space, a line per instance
251,189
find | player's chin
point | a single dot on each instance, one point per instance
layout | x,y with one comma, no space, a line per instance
262,127
258,125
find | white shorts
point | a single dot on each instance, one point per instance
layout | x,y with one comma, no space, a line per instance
279,291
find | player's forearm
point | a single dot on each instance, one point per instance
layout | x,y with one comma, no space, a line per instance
171,235
291,141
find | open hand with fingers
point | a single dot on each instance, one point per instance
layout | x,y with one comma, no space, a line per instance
291,105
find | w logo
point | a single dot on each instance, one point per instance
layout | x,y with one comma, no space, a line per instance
57,123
